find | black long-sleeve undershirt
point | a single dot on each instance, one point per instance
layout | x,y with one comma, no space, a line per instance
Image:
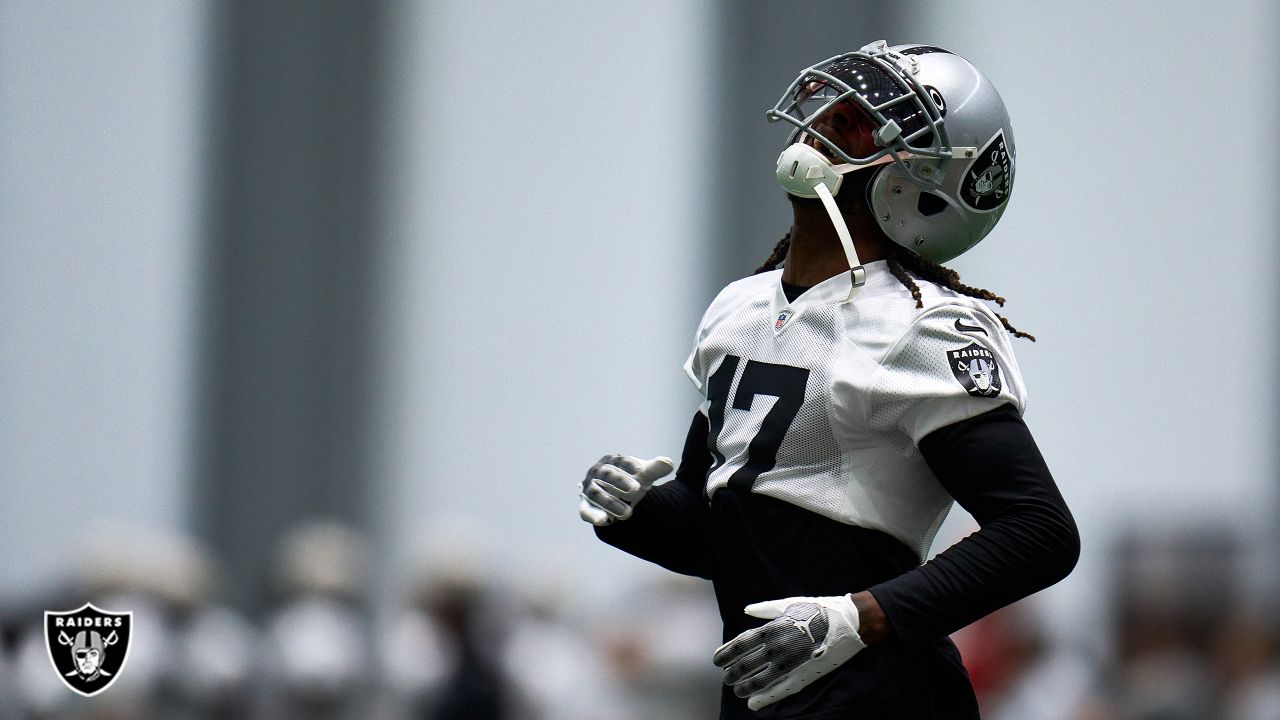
670,525
990,464
1027,539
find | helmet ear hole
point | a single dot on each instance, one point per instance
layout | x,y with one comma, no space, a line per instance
930,204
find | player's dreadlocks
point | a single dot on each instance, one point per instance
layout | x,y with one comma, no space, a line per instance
902,263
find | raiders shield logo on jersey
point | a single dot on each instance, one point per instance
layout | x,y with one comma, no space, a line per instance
989,178
88,646
976,369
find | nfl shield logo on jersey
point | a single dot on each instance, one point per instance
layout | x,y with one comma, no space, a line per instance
976,369
783,317
88,646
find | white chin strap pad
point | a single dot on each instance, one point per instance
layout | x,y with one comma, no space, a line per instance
804,172
802,169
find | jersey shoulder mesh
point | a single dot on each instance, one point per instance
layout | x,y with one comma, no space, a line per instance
729,300
952,361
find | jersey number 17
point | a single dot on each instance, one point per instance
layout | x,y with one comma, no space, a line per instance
784,382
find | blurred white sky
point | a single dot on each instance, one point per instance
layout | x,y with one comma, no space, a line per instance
101,131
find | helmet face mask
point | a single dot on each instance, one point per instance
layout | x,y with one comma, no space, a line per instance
906,121
948,172
844,131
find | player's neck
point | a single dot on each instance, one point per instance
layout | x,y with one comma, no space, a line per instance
816,254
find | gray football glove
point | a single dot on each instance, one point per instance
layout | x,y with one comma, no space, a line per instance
615,484
806,638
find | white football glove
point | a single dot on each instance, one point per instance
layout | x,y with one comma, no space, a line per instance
615,484
806,638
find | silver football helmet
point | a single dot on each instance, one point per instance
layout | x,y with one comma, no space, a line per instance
934,122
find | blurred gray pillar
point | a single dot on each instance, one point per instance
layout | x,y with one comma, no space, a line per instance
288,301
766,44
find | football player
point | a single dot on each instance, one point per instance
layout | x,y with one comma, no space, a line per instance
850,398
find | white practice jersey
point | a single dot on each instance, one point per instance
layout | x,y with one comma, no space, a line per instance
821,402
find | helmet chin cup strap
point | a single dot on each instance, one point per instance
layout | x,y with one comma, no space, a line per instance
805,172
856,271
801,169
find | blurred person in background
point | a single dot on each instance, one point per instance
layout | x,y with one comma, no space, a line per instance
317,657
1019,673
8,694
849,399
1249,668
473,688
118,569
557,668
38,694
442,650
214,649
413,657
1248,653
657,641
189,657
1183,647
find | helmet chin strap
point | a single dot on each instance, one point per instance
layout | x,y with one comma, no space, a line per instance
856,270
805,172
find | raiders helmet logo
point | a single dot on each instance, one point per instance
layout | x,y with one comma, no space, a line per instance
976,369
989,178
88,647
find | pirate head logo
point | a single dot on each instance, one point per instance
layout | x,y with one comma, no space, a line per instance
976,369
88,646
989,179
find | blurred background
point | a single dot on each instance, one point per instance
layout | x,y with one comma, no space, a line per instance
312,314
